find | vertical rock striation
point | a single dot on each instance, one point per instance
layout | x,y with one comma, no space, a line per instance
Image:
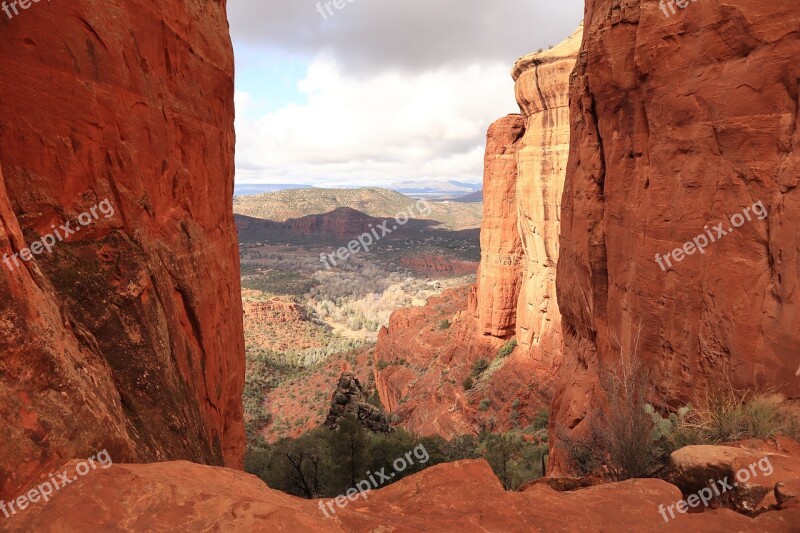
542,82
526,159
426,379
128,336
501,247
679,123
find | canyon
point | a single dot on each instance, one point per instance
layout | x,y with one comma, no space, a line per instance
515,295
634,133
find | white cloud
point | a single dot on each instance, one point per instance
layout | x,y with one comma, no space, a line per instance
374,128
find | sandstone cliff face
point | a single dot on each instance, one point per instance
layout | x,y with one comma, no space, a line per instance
128,336
677,124
542,82
515,295
501,247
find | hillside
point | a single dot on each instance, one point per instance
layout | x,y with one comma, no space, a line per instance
380,203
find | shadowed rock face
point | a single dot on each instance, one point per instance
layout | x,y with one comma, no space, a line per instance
350,399
128,336
677,124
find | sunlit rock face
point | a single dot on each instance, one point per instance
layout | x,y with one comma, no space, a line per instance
542,89
678,124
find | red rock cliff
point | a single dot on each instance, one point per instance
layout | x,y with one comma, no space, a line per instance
501,248
426,363
679,123
526,159
542,82
128,336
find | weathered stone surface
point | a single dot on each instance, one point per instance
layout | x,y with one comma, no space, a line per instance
463,496
502,256
524,170
563,484
679,123
787,493
542,82
129,335
350,399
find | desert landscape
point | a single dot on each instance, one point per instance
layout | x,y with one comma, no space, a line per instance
258,276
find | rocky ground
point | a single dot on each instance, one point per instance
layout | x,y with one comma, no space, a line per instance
184,496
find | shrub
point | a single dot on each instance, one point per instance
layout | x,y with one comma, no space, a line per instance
724,414
542,419
444,324
618,435
468,384
382,365
507,348
485,404
479,367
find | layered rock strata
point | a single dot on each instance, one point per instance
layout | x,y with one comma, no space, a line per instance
127,335
542,82
515,295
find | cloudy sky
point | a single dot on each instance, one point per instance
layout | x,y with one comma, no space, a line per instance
381,91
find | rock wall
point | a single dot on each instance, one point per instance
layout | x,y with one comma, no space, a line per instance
542,81
426,367
501,247
128,335
526,159
678,124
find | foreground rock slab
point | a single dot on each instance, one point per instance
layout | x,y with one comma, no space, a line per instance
463,496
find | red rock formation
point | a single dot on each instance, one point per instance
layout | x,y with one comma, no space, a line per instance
424,357
279,310
128,336
341,224
542,81
465,496
525,166
437,264
501,247
678,123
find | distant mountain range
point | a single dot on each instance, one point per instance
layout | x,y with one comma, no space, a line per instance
448,190
379,203
476,196
261,188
